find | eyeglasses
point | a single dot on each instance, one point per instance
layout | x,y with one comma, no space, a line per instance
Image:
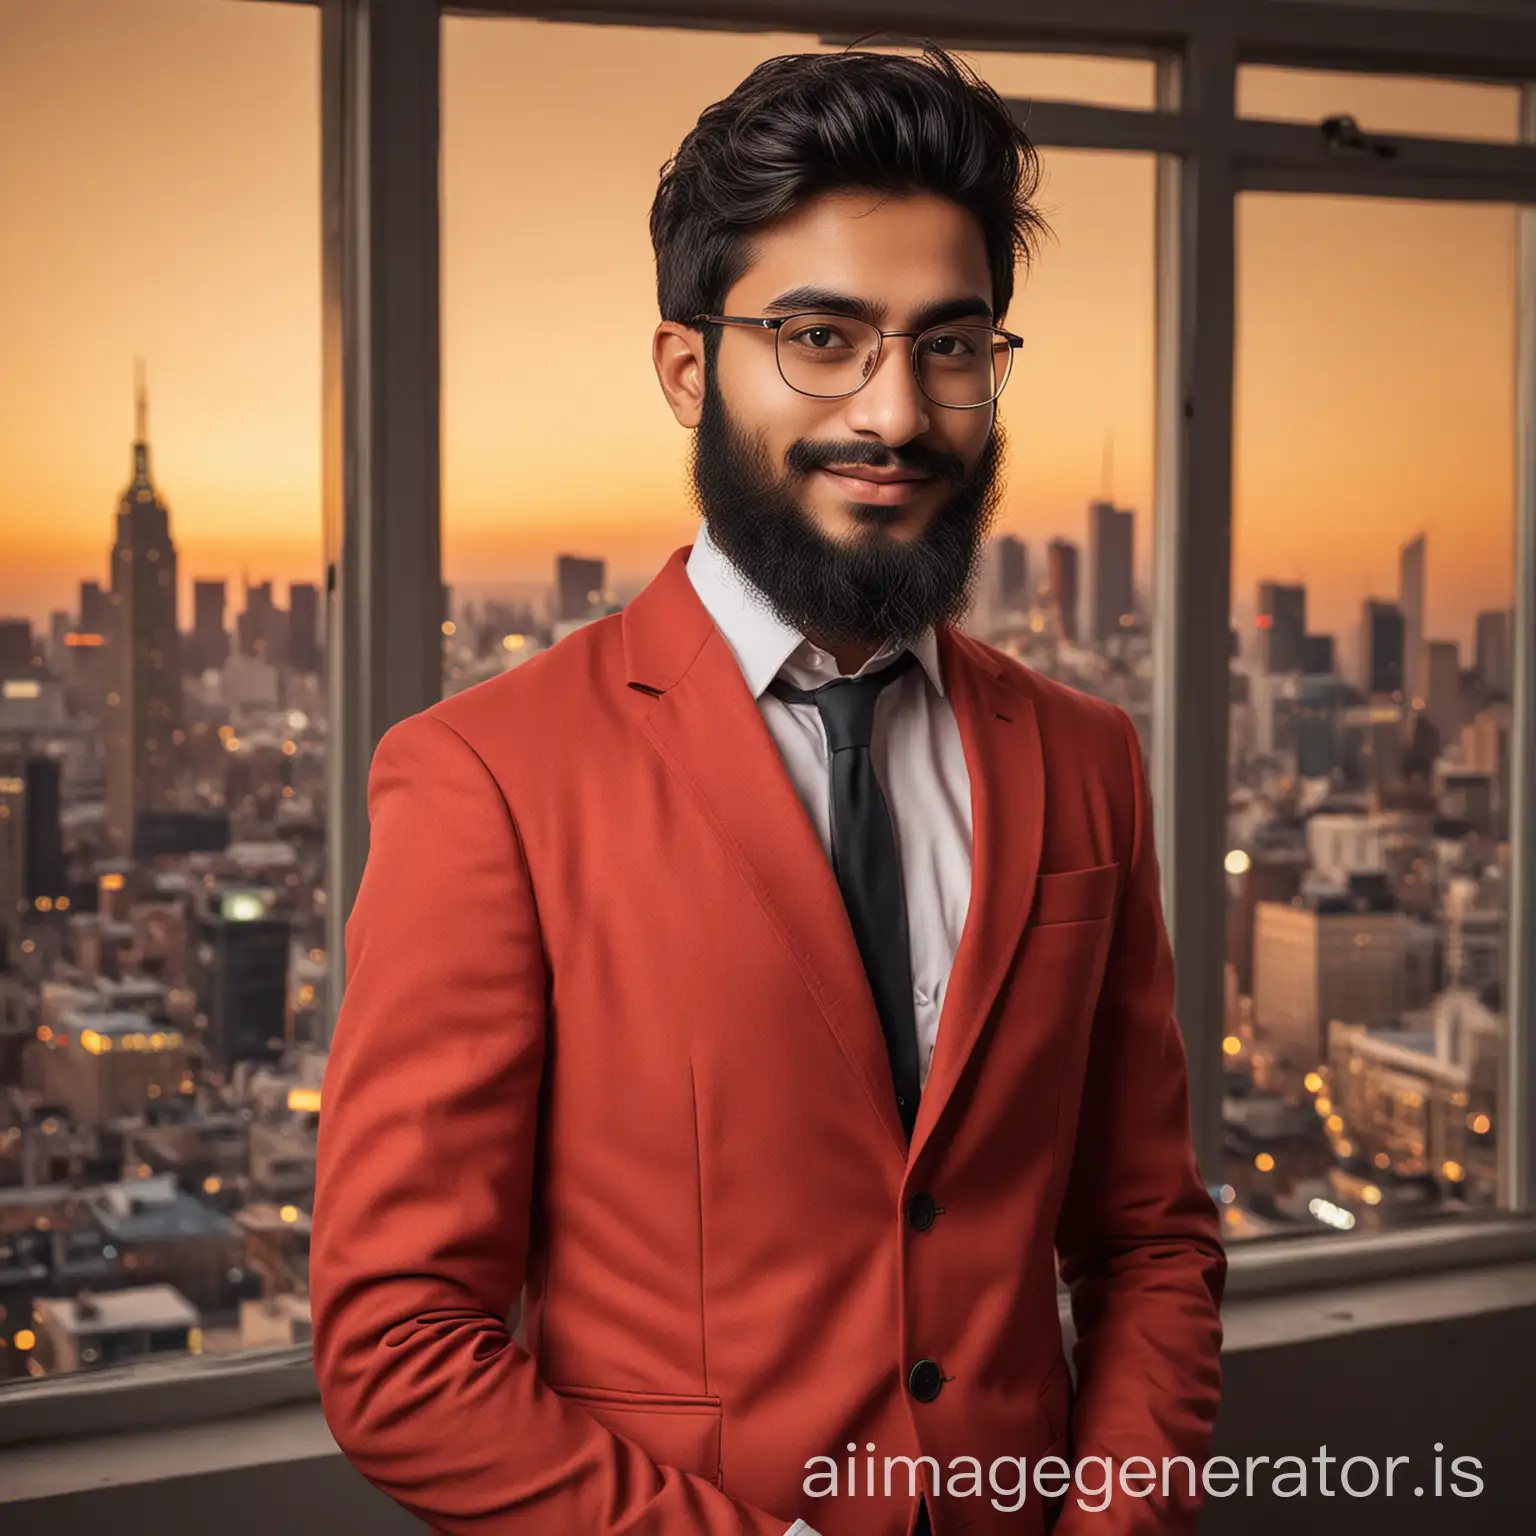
961,365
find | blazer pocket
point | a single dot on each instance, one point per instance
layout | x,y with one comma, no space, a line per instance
674,1429
1076,895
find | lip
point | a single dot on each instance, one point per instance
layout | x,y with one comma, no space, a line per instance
881,493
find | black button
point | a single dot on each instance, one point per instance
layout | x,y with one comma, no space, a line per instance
921,1210
924,1380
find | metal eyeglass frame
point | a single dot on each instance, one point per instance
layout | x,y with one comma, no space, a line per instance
774,322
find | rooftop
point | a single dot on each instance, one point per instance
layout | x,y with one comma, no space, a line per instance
142,1306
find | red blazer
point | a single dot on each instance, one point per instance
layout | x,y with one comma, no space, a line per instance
606,1036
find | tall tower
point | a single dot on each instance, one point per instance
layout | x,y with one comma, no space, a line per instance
144,720
1410,598
1112,568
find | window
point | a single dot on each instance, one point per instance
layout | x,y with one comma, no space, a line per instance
1453,109
1369,867
565,492
163,815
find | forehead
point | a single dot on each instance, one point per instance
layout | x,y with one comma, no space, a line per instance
897,251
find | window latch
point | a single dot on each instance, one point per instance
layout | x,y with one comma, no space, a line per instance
1343,135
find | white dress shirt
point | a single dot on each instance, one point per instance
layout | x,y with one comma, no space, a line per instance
918,758
916,753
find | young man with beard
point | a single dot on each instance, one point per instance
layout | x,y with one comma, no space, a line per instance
769,982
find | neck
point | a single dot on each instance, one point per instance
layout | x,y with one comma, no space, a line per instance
849,658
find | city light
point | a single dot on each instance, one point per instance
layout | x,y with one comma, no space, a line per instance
1313,1082
1453,1171
25,1338
1232,1045
304,1101
1330,1214
1237,862
1480,1124
1264,1162
289,1213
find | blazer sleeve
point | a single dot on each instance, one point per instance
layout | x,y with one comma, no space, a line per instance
423,1182
1138,1239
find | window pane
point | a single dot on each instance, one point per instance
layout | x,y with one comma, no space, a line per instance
1369,863
588,462
1448,109
162,710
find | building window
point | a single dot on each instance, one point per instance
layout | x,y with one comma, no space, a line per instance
162,780
541,535
1369,871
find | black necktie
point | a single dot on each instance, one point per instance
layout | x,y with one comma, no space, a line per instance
864,857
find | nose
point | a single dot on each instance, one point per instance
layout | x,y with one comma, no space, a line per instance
891,406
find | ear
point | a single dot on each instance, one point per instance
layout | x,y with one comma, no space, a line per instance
677,351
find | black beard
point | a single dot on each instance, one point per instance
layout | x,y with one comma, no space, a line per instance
872,589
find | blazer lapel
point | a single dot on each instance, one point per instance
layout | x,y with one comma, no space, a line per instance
1001,737
710,731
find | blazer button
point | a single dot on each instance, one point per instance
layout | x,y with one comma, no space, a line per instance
921,1210
924,1380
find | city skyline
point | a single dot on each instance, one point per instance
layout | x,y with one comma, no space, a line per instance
1353,430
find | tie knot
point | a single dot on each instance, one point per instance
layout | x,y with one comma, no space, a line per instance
847,704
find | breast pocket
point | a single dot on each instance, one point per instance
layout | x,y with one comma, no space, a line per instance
1075,896
673,1429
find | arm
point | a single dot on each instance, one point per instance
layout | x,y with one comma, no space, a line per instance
1139,1239
424,1178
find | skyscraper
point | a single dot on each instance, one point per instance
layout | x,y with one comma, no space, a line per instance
1012,555
578,587
1410,598
1112,564
1495,652
304,626
1381,647
93,608
144,715
208,648
1442,688
1061,573
1282,624
257,626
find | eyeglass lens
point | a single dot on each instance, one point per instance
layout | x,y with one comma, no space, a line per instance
957,364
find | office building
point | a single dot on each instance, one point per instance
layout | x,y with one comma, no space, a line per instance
241,978
1319,959
579,586
1410,599
1061,565
304,627
207,647
1381,648
1112,569
1282,628
1442,692
1495,653
1317,655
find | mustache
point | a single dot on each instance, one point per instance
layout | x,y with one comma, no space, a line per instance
803,456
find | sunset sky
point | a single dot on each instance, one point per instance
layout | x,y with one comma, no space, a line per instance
159,195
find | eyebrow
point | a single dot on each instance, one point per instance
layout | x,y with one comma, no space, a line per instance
809,296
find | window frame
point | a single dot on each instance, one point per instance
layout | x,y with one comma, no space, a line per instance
380,88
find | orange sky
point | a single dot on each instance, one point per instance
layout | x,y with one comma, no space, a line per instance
159,188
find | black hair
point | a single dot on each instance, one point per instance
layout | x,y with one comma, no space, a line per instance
806,123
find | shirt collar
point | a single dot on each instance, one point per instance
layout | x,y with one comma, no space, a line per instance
759,639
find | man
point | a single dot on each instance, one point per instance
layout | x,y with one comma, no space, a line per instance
768,982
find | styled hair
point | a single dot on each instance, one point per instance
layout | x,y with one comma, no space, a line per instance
807,123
